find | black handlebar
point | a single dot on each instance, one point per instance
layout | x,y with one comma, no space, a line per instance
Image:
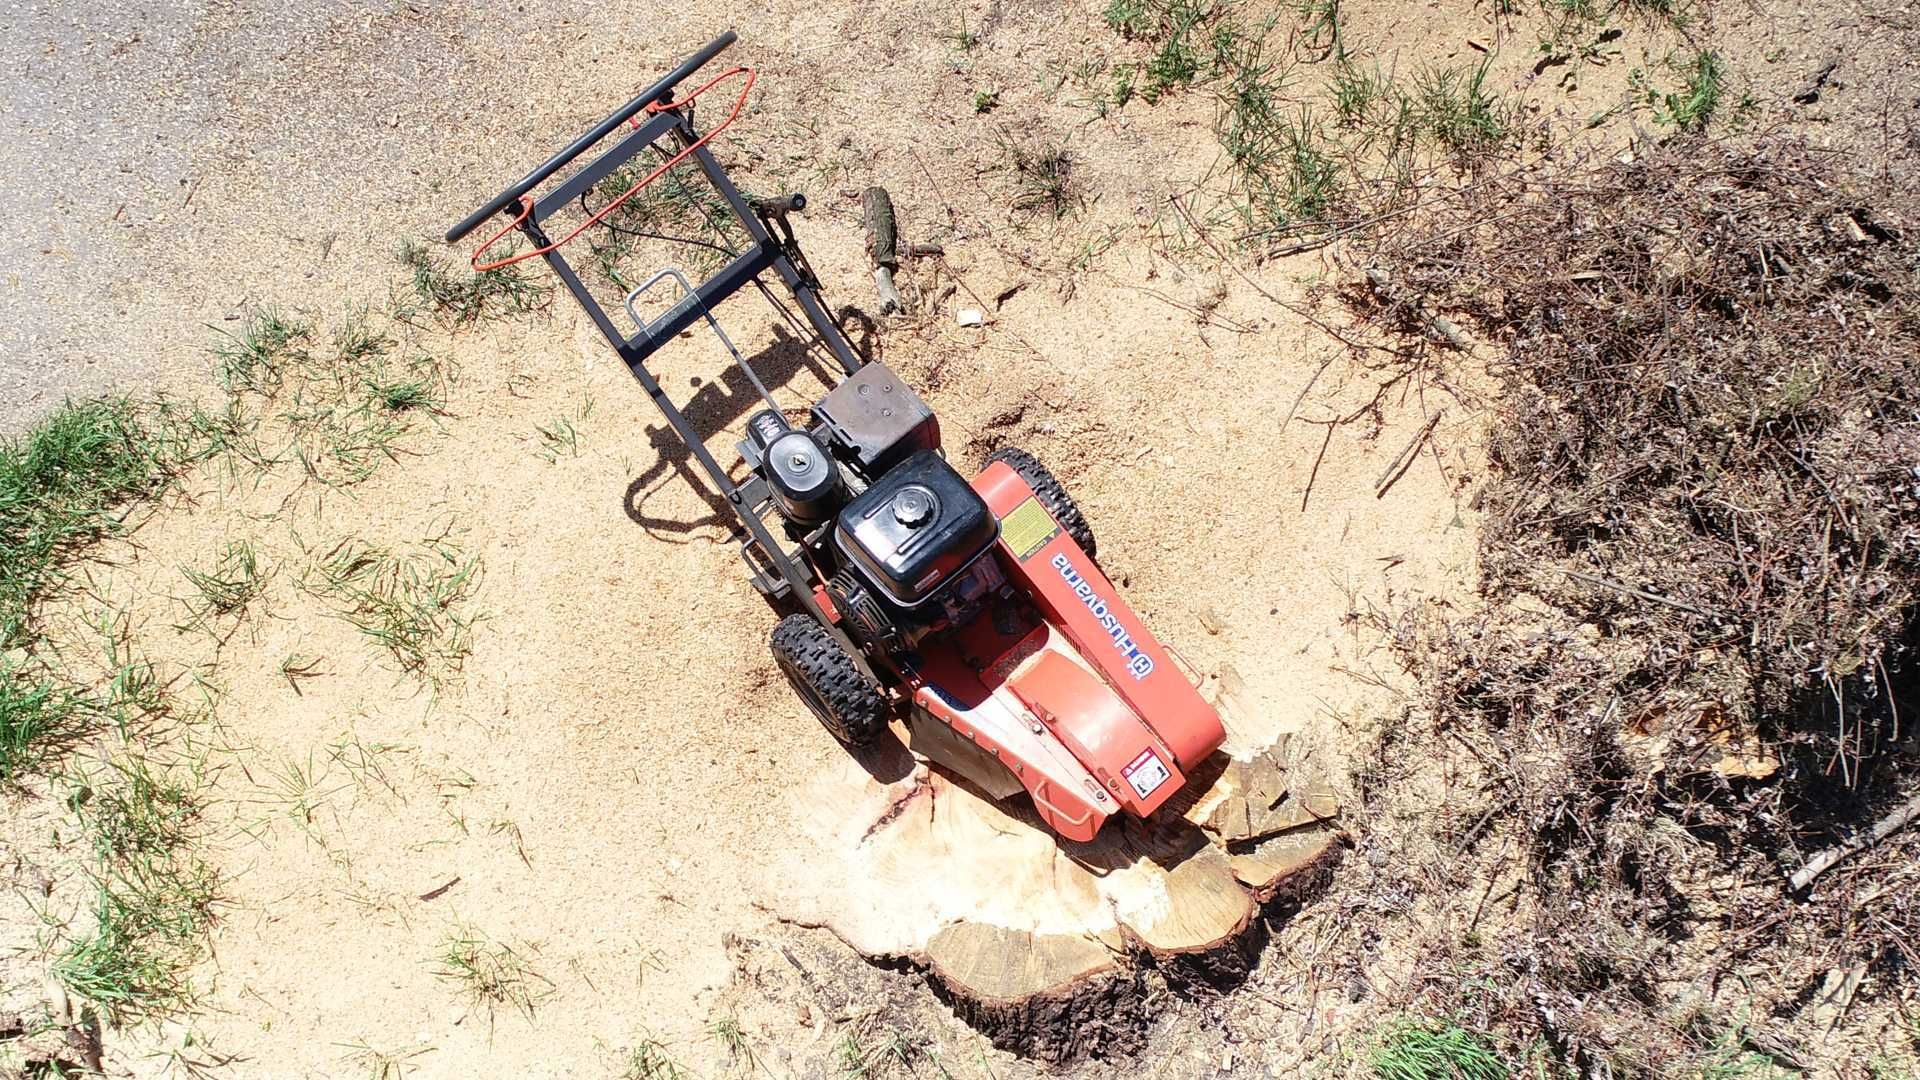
580,146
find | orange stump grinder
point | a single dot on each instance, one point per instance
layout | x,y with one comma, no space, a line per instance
972,609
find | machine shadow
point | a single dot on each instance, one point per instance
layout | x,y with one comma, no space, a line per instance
715,405
887,760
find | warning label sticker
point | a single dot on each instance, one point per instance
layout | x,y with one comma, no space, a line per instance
1146,773
1027,528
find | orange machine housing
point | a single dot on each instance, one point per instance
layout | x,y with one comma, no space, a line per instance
1087,710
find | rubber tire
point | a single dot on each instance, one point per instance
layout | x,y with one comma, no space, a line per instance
848,704
1052,496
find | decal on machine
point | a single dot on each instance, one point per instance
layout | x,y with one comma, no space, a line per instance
1139,664
1027,528
1146,773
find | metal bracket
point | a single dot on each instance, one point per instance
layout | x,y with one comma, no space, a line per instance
651,329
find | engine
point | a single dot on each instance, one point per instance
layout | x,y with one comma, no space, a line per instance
914,552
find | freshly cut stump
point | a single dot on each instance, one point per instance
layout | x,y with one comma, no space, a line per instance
1043,944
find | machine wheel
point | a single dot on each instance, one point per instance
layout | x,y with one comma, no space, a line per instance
1052,495
848,703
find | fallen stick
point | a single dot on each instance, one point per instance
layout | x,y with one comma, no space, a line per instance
1308,490
1301,396
1833,856
1403,460
1608,583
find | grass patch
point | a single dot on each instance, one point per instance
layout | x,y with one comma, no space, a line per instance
461,299
1690,108
1359,145
256,359
377,1064
338,412
152,901
728,1033
413,604
1043,176
405,393
1356,92
650,1060
861,1058
225,588
1459,112
37,717
490,974
1320,26
679,219
1425,1050
558,438
59,485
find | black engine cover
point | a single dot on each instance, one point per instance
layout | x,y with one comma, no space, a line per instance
916,528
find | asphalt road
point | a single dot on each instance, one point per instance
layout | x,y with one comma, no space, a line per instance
165,165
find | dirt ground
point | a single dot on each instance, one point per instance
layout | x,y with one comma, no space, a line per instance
598,782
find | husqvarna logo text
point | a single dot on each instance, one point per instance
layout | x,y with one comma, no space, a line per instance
1139,664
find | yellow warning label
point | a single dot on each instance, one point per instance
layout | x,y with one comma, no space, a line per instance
1027,528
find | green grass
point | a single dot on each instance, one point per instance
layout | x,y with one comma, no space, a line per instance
677,219
358,340
1456,107
257,357
59,485
1356,92
340,416
417,389
226,587
728,1033
962,38
490,974
1694,104
339,413
1129,18
860,1059
376,1064
1178,61
37,718
1357,144
1320,26
650,1060
1427,1050
1043,176
558,438
414,605
1187,43
153,901
131,811
1287,165
462,299
341,442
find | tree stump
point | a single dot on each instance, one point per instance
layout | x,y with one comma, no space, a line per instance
1043,944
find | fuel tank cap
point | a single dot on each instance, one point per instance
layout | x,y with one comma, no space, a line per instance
913,506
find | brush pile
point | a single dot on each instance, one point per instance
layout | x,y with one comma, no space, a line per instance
1701,554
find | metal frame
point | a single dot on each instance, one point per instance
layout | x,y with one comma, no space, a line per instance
775,571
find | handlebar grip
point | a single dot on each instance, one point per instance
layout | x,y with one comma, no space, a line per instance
554,164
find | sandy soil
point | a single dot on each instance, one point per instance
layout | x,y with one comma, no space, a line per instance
619,747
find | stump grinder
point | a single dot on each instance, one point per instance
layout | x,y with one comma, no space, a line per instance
972,609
